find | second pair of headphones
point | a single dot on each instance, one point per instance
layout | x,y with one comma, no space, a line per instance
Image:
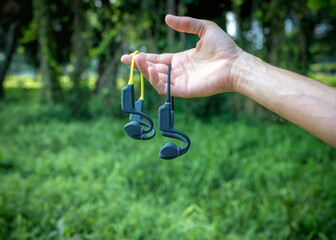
135,128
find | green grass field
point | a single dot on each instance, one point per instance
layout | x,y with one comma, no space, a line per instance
70,179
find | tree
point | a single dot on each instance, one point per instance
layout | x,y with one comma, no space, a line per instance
13,16
9,50
110,37
48,67
171,9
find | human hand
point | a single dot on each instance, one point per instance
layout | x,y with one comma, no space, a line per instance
201,71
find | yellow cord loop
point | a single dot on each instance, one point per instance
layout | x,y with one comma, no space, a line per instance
142,95
132,68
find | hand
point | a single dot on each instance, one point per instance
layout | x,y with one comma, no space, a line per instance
201,71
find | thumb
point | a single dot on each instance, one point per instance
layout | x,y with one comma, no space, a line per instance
188,24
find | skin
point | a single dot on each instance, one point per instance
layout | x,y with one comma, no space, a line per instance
218,65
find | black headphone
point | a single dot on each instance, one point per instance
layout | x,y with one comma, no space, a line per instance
135,128
166,125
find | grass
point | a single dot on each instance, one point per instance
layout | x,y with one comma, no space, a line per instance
68,179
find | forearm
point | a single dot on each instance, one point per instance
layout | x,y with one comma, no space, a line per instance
307,103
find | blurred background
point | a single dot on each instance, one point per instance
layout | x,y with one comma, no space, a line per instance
68,170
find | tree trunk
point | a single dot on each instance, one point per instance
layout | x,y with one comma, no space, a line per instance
276,30
107,76
303,65
9,50
48,68
113,69
181,12
274,43
171,32
100,71
43,19
107,72
77,44
249,106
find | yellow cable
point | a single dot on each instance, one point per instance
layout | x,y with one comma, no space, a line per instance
142,95
132,68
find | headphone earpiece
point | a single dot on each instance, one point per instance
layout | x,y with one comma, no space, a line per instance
169,151
133,129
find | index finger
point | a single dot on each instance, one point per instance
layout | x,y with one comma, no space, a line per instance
165,58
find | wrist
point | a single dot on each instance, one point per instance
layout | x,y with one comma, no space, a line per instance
241,72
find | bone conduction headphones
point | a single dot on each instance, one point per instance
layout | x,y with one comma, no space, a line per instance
135,128
166,125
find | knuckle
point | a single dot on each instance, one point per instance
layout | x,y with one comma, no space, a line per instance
209,25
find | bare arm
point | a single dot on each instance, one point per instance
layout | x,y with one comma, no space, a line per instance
307,103
218,65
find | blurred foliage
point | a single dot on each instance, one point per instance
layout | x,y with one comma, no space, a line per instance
325,78
67,179
87,38
249,173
